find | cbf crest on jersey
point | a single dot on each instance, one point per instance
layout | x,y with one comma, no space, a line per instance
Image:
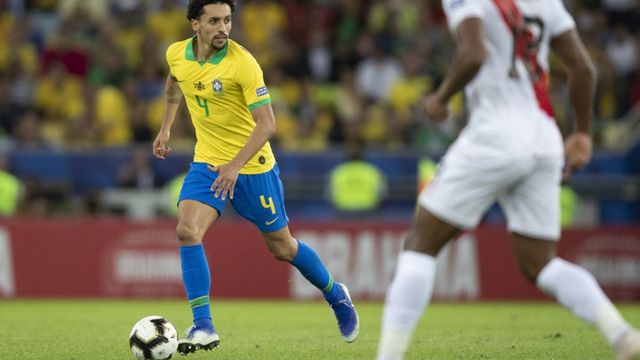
217,87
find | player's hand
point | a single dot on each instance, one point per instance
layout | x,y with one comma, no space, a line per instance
160,147
577,152
435,109
226,180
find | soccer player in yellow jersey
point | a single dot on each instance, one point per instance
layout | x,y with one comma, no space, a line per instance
231,111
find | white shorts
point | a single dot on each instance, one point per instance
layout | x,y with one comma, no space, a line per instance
469,180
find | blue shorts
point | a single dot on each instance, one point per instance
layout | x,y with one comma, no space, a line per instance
258,198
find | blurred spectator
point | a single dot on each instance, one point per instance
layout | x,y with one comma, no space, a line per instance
129,36
112,115
45,21
10,188
375,125
16,48
59,95
9,109
315,120
171,192
167,22
621,12
262,22
60,98
378,71
356,186
23,84
349,104
91,204
623,53
27,133
118,7
6,18
348,28
97,10
320,56
138,173
568,202
411,87
108,61
140,131
404,98
150,82
69,46
281,97
42,199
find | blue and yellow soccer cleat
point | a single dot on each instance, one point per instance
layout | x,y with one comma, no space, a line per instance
198,338
346,315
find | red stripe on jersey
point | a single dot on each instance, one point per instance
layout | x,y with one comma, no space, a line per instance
541,89
526,49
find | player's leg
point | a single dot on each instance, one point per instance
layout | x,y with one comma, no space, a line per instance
462,190
194,220
285,247
576,289
259,198
197,211
412,285
533,213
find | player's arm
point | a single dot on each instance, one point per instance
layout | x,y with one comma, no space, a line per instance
172,98
582,78
467,61
264,130
227,174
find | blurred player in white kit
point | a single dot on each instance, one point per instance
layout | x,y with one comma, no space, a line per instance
511,151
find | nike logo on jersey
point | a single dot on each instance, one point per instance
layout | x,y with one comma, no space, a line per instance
272,221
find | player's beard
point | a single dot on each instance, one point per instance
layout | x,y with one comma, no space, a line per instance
216,41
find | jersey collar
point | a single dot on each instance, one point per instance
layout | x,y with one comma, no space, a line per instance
215,60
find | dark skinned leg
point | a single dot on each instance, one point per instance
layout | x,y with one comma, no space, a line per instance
532,254
428,234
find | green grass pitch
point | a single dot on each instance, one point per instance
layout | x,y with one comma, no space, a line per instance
98,329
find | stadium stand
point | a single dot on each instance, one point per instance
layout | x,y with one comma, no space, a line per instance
81,85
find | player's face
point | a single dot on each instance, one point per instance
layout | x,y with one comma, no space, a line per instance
214,26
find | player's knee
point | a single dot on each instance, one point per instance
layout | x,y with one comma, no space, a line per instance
417,242
428,234
282,250
283,254
187,234
530,269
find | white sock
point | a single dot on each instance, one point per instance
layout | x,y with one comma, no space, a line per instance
576,289
407,297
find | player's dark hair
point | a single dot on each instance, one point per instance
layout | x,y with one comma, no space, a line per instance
194,10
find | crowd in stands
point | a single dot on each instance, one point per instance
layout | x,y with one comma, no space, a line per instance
90,73
86,74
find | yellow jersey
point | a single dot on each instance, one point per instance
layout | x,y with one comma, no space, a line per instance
220,94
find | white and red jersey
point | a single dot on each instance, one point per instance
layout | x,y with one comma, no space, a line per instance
509,95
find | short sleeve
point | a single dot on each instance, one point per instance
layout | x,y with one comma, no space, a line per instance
251,80
170,56
460,10
560,20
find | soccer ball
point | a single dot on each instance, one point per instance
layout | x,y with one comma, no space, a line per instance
153,338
